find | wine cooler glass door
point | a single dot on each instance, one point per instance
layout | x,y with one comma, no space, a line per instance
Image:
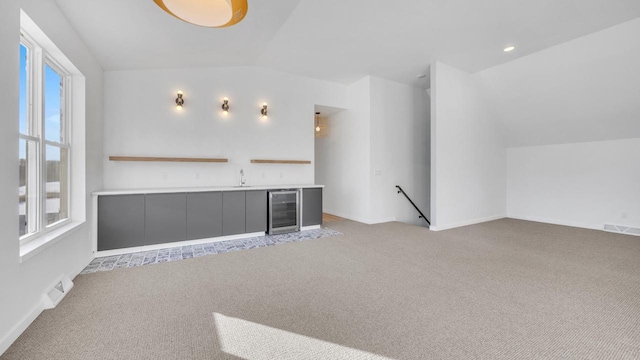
283,212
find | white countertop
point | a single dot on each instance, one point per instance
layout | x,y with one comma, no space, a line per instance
201,189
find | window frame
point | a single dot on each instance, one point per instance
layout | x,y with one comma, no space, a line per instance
37,59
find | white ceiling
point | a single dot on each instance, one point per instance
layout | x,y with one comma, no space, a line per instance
137,34
342,41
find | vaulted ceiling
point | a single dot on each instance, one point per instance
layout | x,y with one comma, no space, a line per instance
341,41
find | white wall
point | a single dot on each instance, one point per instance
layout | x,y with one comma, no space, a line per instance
382,140
343,156
400,151
23,284
140,119
583,93
468,157
564,111
582,184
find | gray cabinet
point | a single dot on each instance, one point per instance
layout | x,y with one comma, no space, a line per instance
233,212
256,211
120,221
165,218
136,220
204,215
311,206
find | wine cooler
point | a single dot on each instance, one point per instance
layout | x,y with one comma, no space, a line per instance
284,211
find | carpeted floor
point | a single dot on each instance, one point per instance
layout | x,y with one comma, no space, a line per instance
506,289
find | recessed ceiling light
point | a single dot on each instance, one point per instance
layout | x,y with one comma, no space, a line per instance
509,48
420,76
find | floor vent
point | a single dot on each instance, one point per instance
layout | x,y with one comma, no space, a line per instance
622,229
57,292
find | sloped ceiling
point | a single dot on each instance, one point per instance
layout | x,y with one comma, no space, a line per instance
581,91
137,34
342,41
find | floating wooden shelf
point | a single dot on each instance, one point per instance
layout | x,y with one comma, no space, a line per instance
280,161
166,159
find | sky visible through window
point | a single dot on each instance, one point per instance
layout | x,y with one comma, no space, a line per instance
23,90
52,102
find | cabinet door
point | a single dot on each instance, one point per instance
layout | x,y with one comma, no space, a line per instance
256,219
311,206
165,218
204,215
233,212
120,221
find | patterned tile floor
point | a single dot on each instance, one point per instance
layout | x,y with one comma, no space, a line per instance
190,251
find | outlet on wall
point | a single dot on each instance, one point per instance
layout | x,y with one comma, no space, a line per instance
165,176
624,215
197,176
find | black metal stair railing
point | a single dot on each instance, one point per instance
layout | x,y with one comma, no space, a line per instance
412,203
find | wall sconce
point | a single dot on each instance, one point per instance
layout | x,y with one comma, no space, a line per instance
225,106
263,111
318,121
179,100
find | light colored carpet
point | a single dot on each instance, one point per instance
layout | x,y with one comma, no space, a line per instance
506,289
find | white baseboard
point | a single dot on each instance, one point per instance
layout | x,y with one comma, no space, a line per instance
23,324
20,327
558,222
175,244
382,220
466,223
344,215
79,269
310,227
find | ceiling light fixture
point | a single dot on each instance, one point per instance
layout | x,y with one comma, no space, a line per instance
263,111
207,13
509,48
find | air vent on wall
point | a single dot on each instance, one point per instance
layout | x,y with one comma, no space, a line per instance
57,292
622,229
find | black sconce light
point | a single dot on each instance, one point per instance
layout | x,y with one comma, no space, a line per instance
225,106
179,100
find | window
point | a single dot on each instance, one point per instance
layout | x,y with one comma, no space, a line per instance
44,142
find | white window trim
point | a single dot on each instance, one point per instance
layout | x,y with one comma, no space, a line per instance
65,143
39,58
73,137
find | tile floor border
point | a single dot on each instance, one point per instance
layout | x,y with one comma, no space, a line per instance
108,263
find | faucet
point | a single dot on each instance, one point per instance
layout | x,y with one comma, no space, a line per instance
242,180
